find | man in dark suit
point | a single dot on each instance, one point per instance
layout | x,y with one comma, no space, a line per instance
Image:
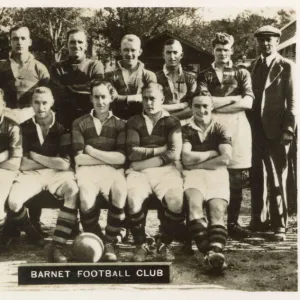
273,129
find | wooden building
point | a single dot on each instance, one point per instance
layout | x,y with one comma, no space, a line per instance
287,46
195,58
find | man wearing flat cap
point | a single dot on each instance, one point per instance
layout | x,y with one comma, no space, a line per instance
273,129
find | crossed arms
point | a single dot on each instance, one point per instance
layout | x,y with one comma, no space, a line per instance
91,156
9,163
210,160
36,161
150,157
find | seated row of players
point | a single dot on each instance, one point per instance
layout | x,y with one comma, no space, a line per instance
153,141
70,80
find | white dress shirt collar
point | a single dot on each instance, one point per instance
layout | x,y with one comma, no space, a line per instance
201,133
97,122
149,124
269,58
39,129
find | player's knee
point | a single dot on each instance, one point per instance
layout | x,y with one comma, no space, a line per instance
14,204
217,209
87,201
135,201
119,193
71,190
193,196
174,200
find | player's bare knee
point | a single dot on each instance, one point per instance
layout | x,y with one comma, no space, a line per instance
216,210
135,201
174,200
87,201
71,199
14,204
119,193
195,211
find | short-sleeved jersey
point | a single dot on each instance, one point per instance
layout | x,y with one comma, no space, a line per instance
10,137
133,86
56,143
112,136
138,136
185,86
19,84
236,81
215,136
71,80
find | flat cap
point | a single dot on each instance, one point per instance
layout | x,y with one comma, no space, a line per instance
267,30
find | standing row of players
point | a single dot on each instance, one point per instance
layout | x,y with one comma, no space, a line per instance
231,89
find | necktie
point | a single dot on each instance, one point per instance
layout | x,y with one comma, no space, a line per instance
264,68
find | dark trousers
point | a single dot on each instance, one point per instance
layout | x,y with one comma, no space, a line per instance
269,174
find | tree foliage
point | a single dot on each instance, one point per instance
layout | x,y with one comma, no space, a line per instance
107,26
48,26
111,24
241,28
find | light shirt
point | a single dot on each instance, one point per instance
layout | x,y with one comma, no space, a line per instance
149,124
97,122
39,129
22,83
129,79
221,72
269,58
1,118
201,133
178,88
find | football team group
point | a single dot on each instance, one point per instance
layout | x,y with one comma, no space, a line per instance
77,132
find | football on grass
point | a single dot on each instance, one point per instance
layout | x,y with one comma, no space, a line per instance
87,247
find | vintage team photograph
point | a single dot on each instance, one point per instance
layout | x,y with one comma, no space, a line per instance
154,146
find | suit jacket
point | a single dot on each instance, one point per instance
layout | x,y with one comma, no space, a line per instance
278,99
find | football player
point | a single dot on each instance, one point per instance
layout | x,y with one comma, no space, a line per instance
128,78
206,153
98,141
10,160
45,166
153,145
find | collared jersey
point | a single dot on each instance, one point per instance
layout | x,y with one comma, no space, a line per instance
131,85
18,83
72,80
56,143
182,90
10,137
235,81
112,136
215,136
139,136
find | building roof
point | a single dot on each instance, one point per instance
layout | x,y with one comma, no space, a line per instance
288,31
287,43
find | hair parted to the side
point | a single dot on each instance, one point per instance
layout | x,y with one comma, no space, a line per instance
223,39
17,27
43,90
107,84
153,85
201,93
131,38
75,30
